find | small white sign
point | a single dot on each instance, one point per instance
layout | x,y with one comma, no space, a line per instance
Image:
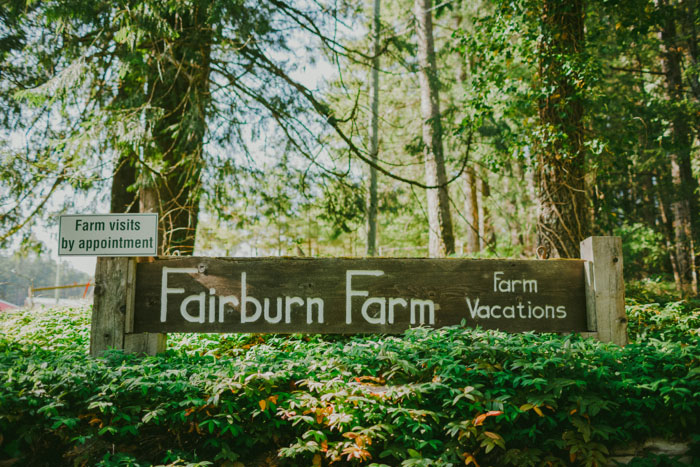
108,235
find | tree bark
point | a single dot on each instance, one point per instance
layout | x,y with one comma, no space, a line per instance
683,205
124,173
373,134
123,177
486,235
471,208
471,200
179,85
516,222
108,319
562,221
667,228
441,237
689,30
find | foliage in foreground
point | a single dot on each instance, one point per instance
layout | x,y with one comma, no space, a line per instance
445,397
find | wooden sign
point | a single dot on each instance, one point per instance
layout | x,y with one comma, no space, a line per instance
345,296
137,304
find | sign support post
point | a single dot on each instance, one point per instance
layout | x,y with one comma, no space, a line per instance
605,288
109,305
146,343
113,311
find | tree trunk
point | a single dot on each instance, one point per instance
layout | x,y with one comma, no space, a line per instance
486,235
689,30
683,205
667,227
562,221
373,134
515,218
471,200
124,176
441,240
471,208
179,85
108,328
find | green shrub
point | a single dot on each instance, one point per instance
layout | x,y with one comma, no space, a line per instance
643,250
652,290
671,321
429,397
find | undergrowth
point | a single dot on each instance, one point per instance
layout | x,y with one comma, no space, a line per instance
429,397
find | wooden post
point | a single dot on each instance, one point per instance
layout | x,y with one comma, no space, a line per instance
605,288
109,306
145,343
113,311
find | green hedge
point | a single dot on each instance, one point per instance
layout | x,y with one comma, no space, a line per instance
429,397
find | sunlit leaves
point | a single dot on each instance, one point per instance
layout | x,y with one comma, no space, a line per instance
452,395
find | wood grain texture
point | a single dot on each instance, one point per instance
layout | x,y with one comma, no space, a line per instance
145,343
109,306
448,283
130,291
605,288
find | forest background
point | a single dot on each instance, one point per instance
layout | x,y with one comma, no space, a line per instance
478,128
484,128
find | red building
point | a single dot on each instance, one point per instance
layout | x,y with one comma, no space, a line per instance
4,306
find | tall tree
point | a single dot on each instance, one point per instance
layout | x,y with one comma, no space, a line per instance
486,234
124,193
373,131
563,221
173,52
471,209
683,205
471,202
441,237
178,84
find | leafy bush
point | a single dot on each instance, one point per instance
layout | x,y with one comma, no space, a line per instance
652,290
643,250
671,321
430,397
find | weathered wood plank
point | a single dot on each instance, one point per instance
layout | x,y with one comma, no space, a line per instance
605,288
145,343
109,306
130,294
284,295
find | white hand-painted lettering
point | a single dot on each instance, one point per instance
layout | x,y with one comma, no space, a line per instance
310,302
226,300
212,306
199,298
393,302
289,301
477,310
278,315
381,317
422,311
245,299
513,285
349,293
419,307
165,290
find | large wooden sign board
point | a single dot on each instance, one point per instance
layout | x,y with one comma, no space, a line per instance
137,303
346,296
